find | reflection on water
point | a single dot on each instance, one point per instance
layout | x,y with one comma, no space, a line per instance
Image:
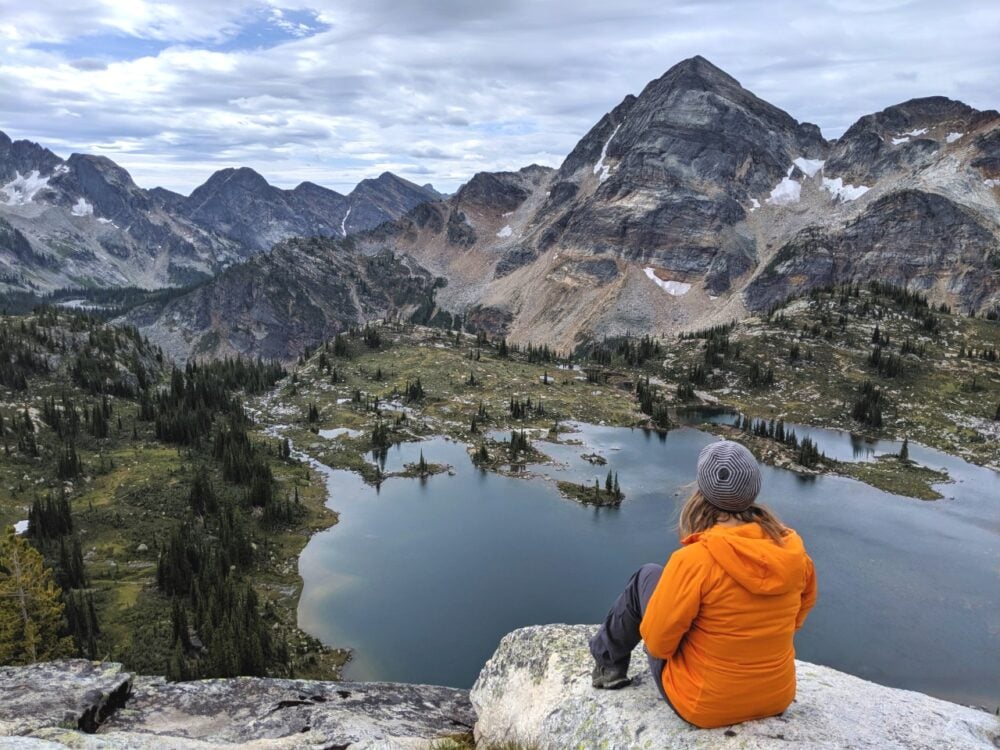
422,579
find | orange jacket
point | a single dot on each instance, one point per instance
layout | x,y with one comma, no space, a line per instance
722,616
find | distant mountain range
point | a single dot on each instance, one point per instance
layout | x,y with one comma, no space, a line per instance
693,203
83,221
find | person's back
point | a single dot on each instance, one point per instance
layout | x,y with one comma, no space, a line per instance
719,620
723,617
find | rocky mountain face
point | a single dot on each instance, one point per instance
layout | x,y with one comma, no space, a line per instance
274,305
239,204
84,221
697,202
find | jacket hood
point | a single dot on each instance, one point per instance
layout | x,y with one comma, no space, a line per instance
756,562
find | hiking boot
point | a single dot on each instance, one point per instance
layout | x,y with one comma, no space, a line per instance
609,678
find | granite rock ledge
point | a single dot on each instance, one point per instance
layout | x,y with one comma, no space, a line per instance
536,690
61,704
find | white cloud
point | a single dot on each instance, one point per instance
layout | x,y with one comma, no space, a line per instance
443,89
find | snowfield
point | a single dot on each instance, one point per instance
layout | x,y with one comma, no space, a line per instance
838,189
22,189
676,288
809,167
505,232
601,169
82,208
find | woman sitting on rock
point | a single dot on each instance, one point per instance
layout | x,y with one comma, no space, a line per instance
718,621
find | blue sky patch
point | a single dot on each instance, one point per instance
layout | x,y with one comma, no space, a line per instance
265,28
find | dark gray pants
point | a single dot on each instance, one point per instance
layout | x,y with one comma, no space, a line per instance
619,635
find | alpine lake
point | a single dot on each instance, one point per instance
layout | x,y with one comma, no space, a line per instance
422,577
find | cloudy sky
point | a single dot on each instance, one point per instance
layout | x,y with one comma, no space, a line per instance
334,91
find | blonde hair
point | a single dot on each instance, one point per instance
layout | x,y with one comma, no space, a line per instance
698,515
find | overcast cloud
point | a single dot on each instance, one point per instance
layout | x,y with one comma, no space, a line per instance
436,90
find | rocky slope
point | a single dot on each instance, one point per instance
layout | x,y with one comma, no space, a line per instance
696,202
83,221
304,291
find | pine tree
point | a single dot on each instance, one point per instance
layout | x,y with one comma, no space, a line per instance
31,611
904,451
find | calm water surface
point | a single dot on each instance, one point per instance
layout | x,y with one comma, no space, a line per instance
422,579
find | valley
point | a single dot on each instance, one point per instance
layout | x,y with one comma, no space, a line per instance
243,429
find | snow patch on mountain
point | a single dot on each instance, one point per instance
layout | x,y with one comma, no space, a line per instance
991,183
787,191
343,222
23,188
601,169
676,288
20,527
82,208
809,167
952,137
505,232
838,189
754,204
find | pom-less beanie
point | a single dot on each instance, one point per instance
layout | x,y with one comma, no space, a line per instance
728,475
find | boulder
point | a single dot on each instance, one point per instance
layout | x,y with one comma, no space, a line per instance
536,690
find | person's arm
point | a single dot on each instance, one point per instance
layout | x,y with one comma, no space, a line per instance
673,605
808,594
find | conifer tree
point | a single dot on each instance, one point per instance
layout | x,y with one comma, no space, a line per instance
31,611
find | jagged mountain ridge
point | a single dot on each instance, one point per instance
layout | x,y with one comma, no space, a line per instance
83,221
274,305
696,202
687,205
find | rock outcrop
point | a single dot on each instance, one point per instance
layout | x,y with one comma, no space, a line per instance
536,690
61,704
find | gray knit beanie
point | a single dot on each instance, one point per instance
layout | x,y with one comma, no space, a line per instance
728,476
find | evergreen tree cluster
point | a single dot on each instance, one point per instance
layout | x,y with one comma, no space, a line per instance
987,354
518,443
759,376
611,487
888,365
652,402
526,408
807,454
868,405
217,624
19,358
482,415
539,354
50,530
625,350
414,391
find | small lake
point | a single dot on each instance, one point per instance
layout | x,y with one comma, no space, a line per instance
423,578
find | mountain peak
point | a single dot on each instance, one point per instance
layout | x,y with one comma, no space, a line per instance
698,72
